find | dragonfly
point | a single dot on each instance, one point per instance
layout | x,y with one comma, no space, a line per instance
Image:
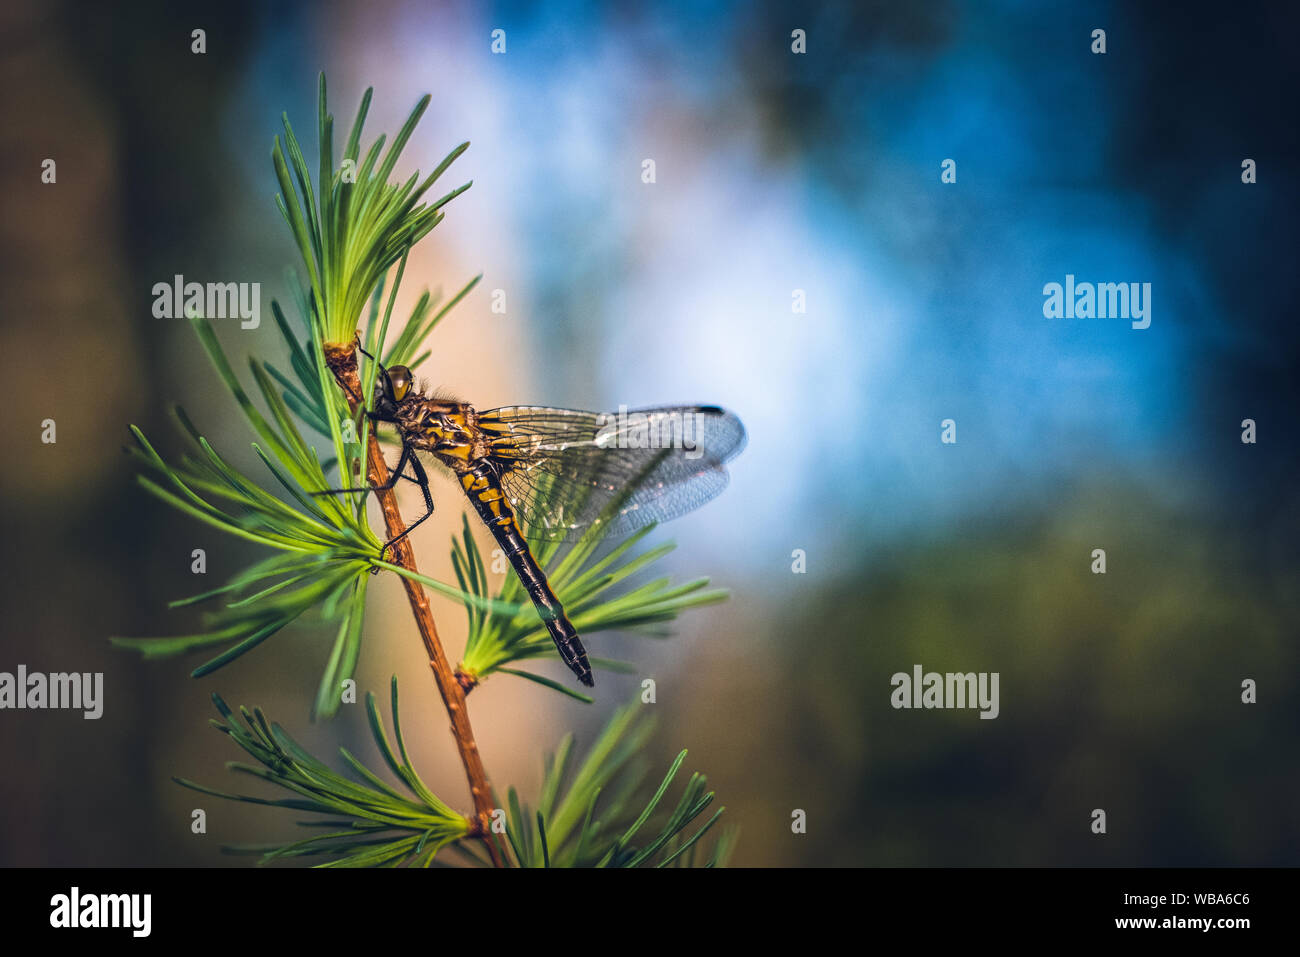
543,474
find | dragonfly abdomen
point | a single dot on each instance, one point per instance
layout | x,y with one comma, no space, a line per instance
483,486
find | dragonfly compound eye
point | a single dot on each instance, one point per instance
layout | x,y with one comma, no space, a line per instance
400,376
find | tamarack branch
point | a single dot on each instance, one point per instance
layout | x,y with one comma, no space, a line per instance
342,361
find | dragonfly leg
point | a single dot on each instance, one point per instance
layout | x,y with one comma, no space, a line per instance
393,476
382,369
421,479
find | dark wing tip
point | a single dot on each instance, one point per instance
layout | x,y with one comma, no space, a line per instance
742,436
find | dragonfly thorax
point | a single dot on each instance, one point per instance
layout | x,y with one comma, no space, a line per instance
447,430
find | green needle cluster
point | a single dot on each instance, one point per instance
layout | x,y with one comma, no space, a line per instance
588,815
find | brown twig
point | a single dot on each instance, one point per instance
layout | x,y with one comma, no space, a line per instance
342,360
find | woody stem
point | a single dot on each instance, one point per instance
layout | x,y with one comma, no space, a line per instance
342,361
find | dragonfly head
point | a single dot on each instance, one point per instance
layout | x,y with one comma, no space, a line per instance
395,384
399,383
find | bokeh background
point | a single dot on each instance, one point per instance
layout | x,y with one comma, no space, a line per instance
775,172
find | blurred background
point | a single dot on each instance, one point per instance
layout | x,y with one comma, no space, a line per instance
775,172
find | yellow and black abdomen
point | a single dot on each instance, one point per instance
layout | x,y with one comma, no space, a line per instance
482,483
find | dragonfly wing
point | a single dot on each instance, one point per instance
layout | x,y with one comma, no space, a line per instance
566,472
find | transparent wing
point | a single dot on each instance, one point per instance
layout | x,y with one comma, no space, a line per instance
565,472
